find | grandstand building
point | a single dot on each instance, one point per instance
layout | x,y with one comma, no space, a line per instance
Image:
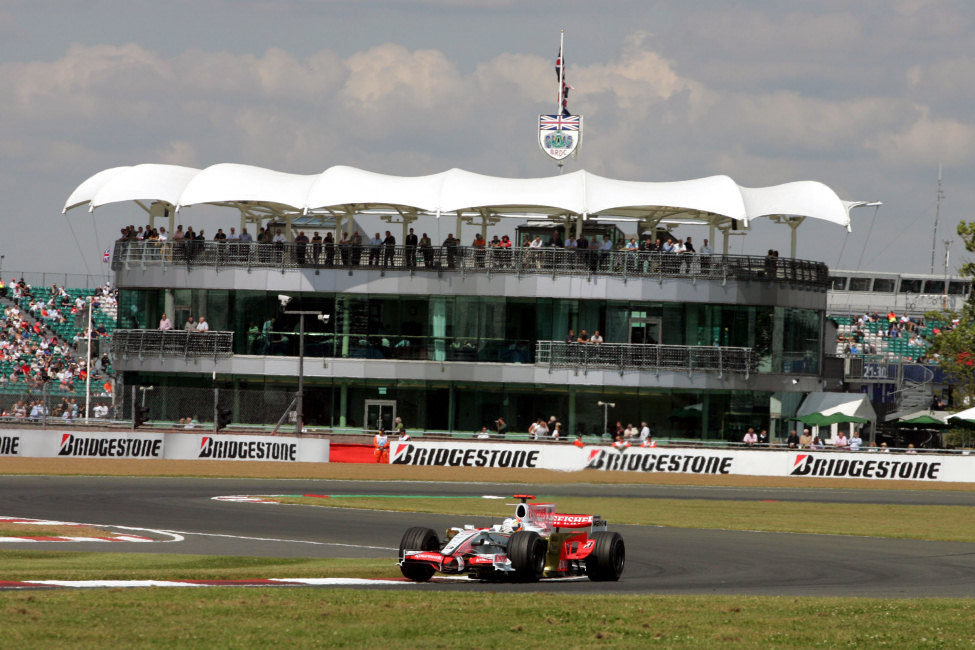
452,337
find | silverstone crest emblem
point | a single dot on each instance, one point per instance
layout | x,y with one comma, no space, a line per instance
559,135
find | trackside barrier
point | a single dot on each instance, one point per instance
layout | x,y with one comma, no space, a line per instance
677,460
175,446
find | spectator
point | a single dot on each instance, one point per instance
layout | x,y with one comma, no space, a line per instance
751,438
805,440
792,440
501,427
202,325
165,324
763,438
190,326
841,441
381,444
855,441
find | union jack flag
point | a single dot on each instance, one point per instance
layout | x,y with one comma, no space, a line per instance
558,122
107,256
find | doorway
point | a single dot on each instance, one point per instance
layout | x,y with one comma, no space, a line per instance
379,412
644,329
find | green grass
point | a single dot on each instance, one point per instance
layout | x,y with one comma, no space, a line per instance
945,523
74,565
283,617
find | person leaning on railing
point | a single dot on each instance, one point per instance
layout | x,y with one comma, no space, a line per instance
426,249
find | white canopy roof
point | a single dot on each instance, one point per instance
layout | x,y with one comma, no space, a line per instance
347,189
853,404
968,415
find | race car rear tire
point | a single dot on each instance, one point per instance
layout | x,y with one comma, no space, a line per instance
418,538
527,553
605,563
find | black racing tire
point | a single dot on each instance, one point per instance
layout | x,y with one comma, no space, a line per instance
418,538
526,550
606,562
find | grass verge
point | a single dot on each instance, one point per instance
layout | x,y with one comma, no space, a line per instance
44,530
248,618
76,565
944,523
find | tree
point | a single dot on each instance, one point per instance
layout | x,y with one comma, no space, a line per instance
954,347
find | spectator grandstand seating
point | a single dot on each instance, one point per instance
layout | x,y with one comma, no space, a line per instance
875,342
38,335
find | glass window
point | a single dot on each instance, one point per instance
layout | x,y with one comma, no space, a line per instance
860,284
934,286
885,285
800,341
838,283
958,288
910,285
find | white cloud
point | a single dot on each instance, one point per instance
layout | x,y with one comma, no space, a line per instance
928,140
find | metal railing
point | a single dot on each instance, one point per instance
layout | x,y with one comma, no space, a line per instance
462,259
69,280
172,343
636,356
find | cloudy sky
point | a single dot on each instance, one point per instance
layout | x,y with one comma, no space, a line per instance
866,96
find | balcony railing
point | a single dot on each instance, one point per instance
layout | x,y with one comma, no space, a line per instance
172,343
466,260
636,356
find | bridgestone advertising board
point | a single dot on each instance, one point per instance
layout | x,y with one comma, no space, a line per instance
676,460
176,446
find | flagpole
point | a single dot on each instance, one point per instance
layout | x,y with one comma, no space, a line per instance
558,111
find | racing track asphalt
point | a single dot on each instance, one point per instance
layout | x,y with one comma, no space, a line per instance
659,560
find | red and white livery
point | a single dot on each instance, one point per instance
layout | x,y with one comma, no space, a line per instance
536,543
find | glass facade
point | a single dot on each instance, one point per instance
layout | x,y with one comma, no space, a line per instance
461,407
476,328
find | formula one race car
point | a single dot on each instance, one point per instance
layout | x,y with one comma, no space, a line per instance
537,542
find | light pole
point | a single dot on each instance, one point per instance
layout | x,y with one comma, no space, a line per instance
88,367
606,406
300,398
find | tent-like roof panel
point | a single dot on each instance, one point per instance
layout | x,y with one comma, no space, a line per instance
713,194
465,190
85,192
230,182
578,193
341,185
145,182
801,198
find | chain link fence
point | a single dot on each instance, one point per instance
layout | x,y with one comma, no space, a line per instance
184,405
46,405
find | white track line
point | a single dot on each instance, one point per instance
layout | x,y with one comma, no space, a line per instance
275,539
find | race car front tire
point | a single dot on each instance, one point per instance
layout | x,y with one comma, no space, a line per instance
605,563
526,550
418,538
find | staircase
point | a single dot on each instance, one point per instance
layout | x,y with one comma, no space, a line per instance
915,389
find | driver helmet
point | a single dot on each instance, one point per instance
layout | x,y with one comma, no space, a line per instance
510,525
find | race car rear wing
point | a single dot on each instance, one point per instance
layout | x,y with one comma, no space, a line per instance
542,517
560,520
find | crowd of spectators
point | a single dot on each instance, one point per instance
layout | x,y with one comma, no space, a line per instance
32,355
872,334
344,249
